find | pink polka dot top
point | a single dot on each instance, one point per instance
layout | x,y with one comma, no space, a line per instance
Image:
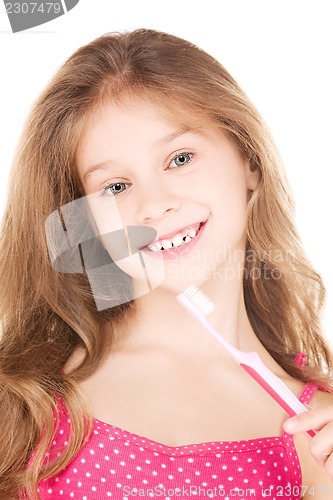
121,465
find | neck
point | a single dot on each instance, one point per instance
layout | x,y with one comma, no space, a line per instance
161,322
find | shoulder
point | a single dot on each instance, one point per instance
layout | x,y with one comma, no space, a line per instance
321,398
74,360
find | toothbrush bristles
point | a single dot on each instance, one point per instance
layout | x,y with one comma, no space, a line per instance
199,299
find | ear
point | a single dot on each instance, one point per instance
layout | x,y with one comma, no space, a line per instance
252,174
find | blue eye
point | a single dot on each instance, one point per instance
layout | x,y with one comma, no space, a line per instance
114,189
181,159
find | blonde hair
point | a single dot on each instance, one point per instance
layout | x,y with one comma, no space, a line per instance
47,315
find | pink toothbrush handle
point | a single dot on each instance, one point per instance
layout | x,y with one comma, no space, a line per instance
252,363
268,388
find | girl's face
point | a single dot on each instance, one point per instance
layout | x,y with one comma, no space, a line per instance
190,185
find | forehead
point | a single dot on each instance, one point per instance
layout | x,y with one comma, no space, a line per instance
172,112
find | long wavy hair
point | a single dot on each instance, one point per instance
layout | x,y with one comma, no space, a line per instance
46,315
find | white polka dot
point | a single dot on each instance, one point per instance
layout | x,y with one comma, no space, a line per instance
247,462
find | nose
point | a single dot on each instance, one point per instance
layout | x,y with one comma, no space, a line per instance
157,199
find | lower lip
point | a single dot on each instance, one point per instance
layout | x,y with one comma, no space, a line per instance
176,252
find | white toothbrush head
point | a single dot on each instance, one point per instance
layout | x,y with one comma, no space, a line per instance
193,294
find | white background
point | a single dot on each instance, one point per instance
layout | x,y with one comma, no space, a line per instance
280,52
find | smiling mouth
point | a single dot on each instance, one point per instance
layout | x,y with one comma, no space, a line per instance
181,238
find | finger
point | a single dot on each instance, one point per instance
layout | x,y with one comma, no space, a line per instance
329,466
312,419
321,446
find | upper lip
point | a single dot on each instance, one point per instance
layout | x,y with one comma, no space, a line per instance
168,236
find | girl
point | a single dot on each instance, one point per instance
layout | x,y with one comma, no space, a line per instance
108,387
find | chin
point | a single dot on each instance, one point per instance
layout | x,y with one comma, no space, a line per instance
178,285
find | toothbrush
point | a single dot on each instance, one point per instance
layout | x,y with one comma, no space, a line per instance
199,306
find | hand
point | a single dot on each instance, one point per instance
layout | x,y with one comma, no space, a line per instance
321,445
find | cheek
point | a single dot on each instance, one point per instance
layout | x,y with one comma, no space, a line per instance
108,225
229,207
105,213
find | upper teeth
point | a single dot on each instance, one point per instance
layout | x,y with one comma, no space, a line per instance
179,239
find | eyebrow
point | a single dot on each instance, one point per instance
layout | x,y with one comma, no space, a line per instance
164,140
